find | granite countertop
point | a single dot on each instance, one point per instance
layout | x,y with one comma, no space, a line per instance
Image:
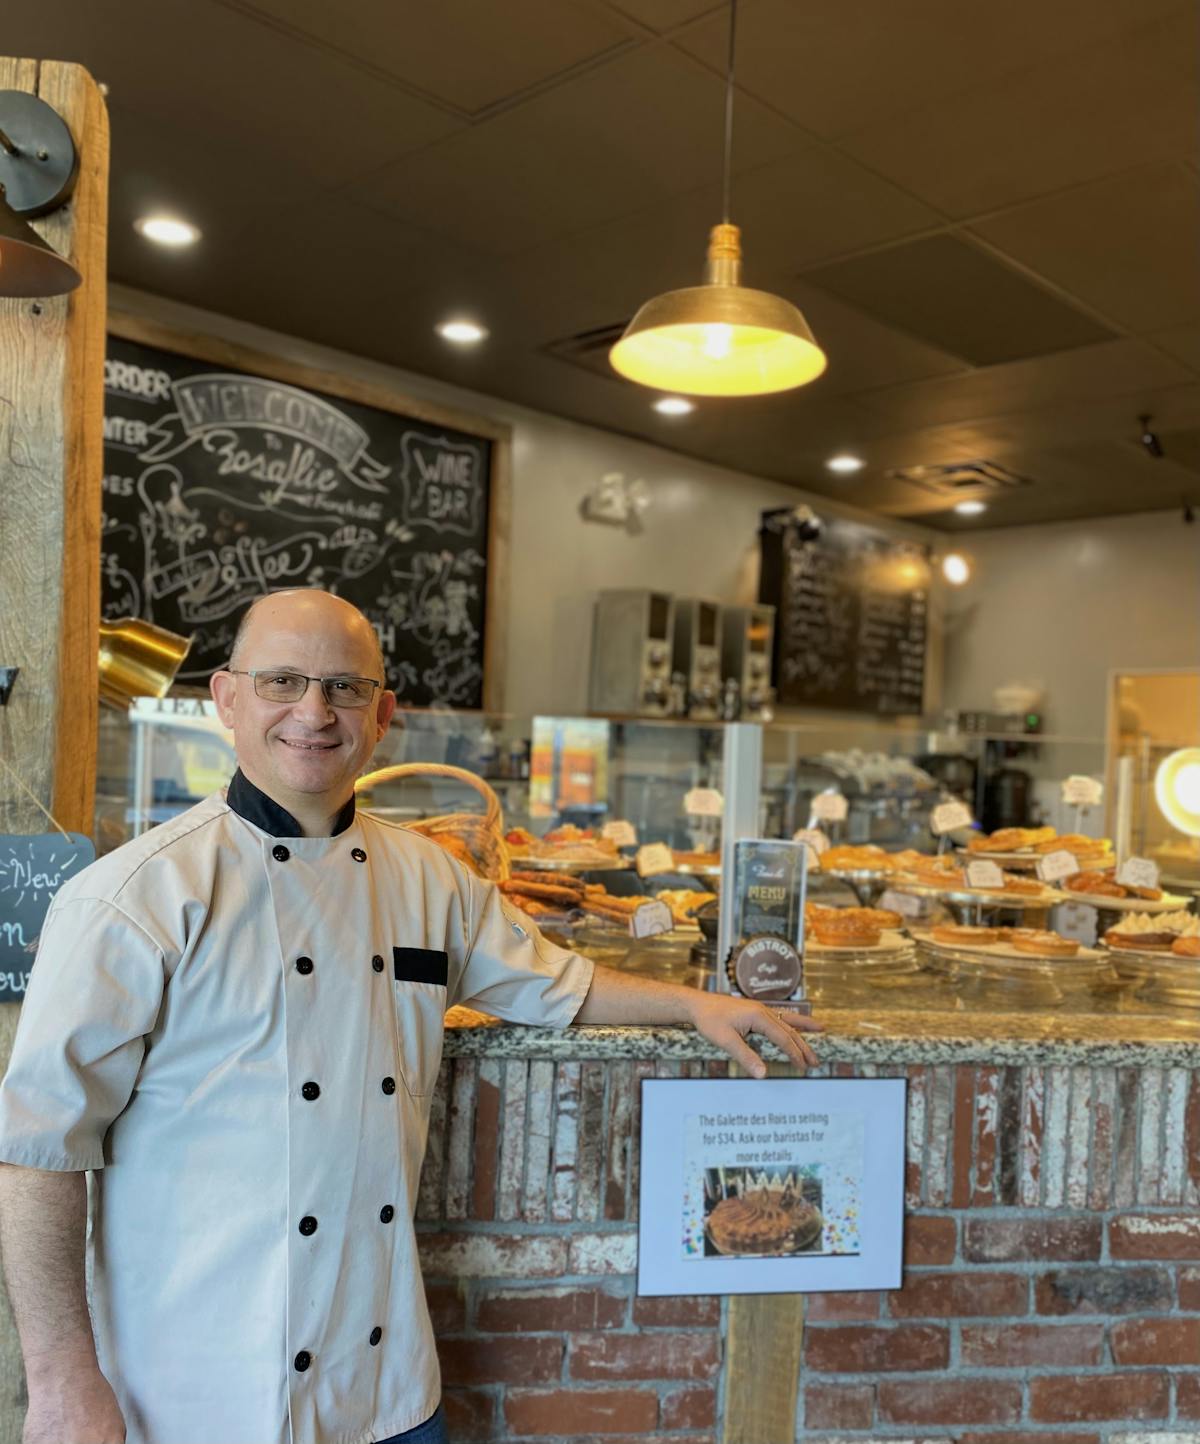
871,1037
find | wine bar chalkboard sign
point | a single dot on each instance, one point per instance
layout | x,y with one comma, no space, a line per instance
222,484
851,615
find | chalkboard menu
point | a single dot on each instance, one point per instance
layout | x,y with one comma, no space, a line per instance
32,869
851,610
221,485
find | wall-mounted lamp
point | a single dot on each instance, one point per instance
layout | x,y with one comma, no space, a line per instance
38,166
1177,790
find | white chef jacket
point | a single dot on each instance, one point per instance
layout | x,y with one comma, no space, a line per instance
240,1031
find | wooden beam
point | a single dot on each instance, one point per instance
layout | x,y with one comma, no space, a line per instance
51,439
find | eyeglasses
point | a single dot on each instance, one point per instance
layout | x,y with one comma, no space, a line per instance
273,685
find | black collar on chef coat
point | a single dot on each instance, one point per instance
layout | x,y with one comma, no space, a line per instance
264,812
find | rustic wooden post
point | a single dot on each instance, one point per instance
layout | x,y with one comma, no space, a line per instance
51,438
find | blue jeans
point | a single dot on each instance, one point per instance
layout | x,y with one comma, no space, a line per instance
433,1431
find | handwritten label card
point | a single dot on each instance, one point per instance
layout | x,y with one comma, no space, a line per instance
704,802
984,874
651,918
948,816
1082,791
815,842
903,903
32,869
1057,865
623,834
654,858
1138,872
829,807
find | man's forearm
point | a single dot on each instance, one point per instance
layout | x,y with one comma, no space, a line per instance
43,1220
616,997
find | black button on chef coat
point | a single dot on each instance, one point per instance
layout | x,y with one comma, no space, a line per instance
389,1086
280,853
303,1359
387,1213
376,1335
304,965
308,1225
310,1091
358,854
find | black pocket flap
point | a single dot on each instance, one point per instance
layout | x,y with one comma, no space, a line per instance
420,965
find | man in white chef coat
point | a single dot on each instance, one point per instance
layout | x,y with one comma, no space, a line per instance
236,1022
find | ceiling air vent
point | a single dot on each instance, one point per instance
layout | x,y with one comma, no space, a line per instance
961,478
589,349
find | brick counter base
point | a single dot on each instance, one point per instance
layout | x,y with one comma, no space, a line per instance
1052,1266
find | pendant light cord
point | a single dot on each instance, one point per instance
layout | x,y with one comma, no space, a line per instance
729,111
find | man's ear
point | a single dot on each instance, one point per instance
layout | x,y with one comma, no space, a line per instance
383,718
223,686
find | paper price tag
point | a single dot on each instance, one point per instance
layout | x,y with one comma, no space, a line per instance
1082,791
1057,865
1138,872
829,807
984,874
654,858
704,802
651,918
813,838
1078,921
948,816
622,833
903,903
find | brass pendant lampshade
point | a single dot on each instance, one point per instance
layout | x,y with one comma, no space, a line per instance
138,659
28,265
721,338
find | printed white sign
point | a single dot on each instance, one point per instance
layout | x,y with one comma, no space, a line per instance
704,802
622,833
1078,921
829,807
903,903
779,1185
654,858
1138,872
984,874
948,816
1082,791
651,918
1057,865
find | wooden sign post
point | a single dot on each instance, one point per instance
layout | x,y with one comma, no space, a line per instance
51,434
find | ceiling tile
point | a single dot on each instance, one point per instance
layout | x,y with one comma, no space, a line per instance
1113,369
618,138
1182,342
837,66
1126,246
467,55
221,74
664,15
956,296
1131,100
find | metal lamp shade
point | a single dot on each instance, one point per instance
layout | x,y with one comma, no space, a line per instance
719,339
28,265
138,659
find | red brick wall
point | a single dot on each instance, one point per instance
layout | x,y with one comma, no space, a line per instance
1052,1265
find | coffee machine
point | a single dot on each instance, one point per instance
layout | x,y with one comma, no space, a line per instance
632,637
697,656
747,636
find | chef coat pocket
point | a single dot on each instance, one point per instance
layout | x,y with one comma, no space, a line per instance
420,976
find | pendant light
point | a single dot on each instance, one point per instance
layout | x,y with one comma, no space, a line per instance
721,338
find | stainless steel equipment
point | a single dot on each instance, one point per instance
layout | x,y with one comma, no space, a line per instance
747,637
697,655
631,654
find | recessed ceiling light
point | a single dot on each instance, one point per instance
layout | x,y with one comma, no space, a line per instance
845,463
956,569
167,230
462,333
673,406
970,508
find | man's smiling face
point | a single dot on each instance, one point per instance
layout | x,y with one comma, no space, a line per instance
306,752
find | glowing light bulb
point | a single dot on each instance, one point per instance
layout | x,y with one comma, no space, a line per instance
1187,786
956,569
718,341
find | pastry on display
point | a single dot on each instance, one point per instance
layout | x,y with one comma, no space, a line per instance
1040,943
1011,839
1143,933
764,1221
956,935
569,844
841,931
1186,947
1104,884
684,903
851,917
867,858
686,860
1038,841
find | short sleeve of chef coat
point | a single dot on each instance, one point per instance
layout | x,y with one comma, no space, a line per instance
94,993
512,971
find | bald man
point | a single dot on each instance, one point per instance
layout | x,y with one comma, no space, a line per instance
235,1023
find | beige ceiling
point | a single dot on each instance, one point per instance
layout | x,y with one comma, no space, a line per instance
989,213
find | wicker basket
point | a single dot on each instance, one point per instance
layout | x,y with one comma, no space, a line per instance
480,838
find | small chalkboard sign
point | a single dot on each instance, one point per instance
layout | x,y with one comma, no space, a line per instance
226,481
32,869
851,616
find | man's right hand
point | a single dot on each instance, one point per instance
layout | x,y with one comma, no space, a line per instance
83,1410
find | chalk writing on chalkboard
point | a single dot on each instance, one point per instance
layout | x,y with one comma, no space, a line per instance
851,617
32,869
220,487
